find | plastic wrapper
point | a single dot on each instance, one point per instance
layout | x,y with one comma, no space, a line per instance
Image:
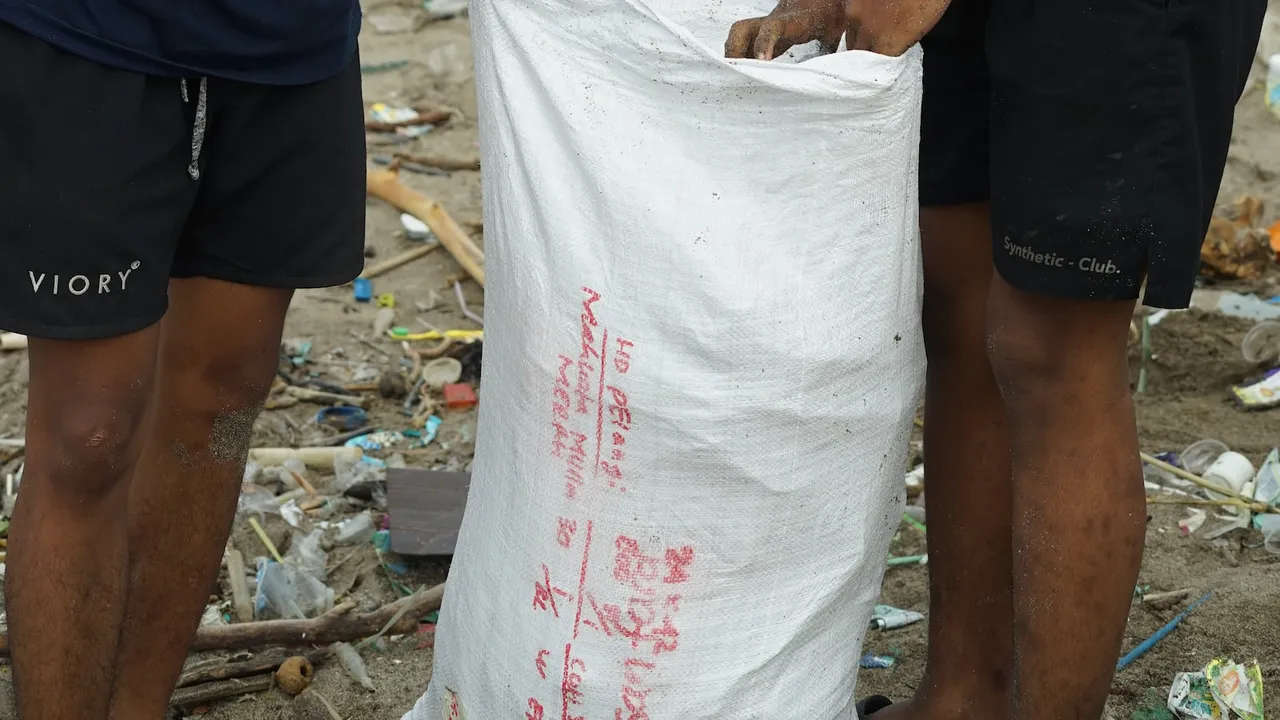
356,530
306,554
354,664
351,472
285,592
888,617
1224,690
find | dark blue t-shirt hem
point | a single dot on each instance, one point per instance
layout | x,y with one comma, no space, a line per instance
298,70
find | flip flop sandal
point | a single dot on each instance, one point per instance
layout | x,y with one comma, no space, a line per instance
872,705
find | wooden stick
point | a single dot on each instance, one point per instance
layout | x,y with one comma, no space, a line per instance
1225,502
386,185
326,398
239,586
219,670
402,259
437,117
1166,600
266,541
338,625
1193,478
209,692
439,162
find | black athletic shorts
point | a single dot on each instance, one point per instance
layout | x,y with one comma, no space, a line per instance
112,182
1097,130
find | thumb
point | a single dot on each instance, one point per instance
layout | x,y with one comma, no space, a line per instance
772,40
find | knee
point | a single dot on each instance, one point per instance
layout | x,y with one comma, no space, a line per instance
92,450
218,399
953,320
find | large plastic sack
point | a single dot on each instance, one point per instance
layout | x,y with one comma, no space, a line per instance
702,360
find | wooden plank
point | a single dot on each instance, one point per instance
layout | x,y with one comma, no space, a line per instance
426,509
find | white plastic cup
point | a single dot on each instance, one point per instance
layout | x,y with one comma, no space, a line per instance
1262,343
1231,469
1201,454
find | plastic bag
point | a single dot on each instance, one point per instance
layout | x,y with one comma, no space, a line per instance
702,361
306,554
285,592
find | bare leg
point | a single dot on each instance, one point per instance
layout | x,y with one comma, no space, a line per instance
1079,514
218,354
970,493
65,592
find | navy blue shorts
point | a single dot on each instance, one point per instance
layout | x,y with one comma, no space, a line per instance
1097,130
113,182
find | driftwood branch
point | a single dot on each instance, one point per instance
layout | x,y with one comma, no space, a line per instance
217,670
340,624
451,164
385,185
436,117
209,692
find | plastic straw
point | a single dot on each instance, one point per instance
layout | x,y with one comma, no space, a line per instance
1150,642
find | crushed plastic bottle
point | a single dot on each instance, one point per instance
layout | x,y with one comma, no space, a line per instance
285,592
354,664
1273,84
356,530
306,554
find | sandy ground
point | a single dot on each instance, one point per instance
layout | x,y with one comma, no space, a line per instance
1197,358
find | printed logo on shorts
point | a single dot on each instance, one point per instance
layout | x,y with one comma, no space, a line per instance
99,284
1054,260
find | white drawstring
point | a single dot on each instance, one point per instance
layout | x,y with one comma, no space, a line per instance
197,128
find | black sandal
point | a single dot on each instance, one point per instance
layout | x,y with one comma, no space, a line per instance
872,705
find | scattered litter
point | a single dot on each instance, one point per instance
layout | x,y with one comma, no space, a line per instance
401,117
383,66
386,300
391,21
1249,307
1266,484
1192,522
1235,247
350,473
1270,527
909,560
403,333
1200,455
1224,690
212,617
12,341
383,320
1262,343
459,396
356,530
343,417
294,675
1165,600
1159,635
306,554
292,514
286,592
1231,470
429,431
877,662
362,289
1272,97
414,228
462,303
441,372
354,665
1260,395
887,617
915,481
444,9
376,440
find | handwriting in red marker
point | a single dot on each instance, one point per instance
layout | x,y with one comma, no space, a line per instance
535,710
622,356
635,694
541,663
565,531
544,593
677,560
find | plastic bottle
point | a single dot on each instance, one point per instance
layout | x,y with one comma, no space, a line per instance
1273,84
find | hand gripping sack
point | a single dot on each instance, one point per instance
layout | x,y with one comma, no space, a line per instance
702,361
